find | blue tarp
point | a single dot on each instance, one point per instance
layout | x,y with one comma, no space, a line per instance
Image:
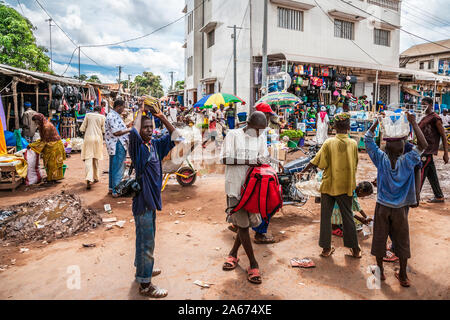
11,140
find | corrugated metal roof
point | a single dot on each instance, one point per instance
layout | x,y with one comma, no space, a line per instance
427,49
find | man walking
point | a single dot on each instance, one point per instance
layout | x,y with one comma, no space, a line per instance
338,157
92,150
242,149
433,130
116,137
146,154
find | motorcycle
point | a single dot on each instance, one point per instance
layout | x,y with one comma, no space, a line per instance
289,177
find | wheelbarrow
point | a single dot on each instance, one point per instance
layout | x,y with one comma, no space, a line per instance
179,166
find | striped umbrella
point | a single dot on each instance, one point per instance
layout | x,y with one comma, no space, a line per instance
279,98
218,98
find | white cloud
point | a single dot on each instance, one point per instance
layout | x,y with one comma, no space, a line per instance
108,21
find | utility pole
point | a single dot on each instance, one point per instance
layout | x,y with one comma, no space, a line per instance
234,37
120,76
129,79
264,51
171,80
79,65
50,25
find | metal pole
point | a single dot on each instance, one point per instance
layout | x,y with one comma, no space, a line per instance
51,50
434,94
235,62
120,74
264,50
252,73
171,80
376,92
79,65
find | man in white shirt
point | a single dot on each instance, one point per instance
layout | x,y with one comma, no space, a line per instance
445,118
173,112
243,148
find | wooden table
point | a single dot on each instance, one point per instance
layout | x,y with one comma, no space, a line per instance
9,179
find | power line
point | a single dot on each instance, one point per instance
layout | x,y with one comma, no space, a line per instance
438,44
68,37
349,39
68,65
421,11
428,24
21,9
145,35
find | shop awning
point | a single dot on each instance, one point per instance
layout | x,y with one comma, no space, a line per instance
419,75
411,91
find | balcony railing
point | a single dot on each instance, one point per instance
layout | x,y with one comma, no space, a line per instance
389,4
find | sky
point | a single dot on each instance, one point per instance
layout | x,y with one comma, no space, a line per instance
108,21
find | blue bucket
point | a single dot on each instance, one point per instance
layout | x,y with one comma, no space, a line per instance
242,116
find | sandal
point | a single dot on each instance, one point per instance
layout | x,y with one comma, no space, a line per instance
436,200
153,292
254,276
390,257
156,272
403,283
230,263
326,255
264,240
338,232
358,256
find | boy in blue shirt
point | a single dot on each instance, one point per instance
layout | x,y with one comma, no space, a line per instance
396,193
146,154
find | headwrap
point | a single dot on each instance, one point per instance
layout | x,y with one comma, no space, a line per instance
323,113
47,130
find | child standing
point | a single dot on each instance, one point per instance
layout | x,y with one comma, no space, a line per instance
363,189
396,192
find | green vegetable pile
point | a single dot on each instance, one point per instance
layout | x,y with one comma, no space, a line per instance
292,134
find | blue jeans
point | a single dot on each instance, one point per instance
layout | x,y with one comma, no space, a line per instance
145,245
116,166
230,121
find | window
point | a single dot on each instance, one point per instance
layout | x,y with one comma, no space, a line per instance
343,29
382,37
389,4
290,19
190,23
189,66
421,65
431,64
211,38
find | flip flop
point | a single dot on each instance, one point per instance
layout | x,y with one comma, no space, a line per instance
359,256
232,263
328,254
338,232
435,200
390,256
403,283
254,276
266,240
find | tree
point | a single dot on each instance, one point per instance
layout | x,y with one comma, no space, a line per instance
17,43
179,85
82,77
94,78
148,84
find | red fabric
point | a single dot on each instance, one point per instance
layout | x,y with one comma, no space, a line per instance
261,192
263,107
322,115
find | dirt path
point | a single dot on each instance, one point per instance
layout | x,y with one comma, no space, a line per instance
194,249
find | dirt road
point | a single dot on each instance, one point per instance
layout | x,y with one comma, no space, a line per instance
195,248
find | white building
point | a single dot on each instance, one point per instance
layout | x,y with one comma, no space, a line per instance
340,34
431,57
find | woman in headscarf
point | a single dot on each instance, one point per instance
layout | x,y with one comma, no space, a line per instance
322,126
50,147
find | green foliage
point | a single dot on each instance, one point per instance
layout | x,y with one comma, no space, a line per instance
148,84
17,43
292,134
179,85
82,77
94,78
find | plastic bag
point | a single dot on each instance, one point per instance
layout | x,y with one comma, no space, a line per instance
395,125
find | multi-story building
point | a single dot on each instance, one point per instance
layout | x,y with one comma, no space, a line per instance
338,34
432,57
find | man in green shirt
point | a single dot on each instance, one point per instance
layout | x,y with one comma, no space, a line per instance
338,157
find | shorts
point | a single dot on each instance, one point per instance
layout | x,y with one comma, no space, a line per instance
242,218
393,222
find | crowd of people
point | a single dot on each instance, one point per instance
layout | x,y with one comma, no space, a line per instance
402,168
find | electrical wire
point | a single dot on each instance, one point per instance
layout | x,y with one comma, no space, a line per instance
21,9
438,44
426,13
68,65
332,21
